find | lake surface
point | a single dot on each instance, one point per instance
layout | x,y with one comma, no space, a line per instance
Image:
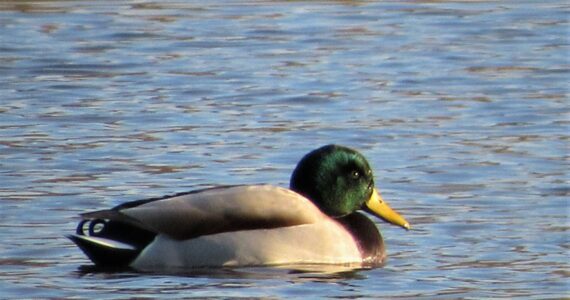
461,107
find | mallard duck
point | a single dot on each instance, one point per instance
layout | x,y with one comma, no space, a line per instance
315,221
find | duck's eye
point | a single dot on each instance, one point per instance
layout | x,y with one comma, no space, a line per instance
355,174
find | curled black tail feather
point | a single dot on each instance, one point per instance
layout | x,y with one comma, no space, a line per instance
111,243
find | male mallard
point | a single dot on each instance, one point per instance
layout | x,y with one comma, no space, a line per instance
313,222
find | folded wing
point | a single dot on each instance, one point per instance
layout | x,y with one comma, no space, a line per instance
215,210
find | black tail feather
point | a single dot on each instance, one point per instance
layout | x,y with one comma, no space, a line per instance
110,243
104,255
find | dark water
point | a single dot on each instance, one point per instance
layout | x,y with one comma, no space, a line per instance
461,107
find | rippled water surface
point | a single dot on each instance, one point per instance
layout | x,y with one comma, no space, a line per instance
461,107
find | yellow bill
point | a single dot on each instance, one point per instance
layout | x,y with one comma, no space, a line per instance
381,209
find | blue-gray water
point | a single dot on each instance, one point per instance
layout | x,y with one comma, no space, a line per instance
461,107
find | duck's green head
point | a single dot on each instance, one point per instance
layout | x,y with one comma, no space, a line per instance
339,181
